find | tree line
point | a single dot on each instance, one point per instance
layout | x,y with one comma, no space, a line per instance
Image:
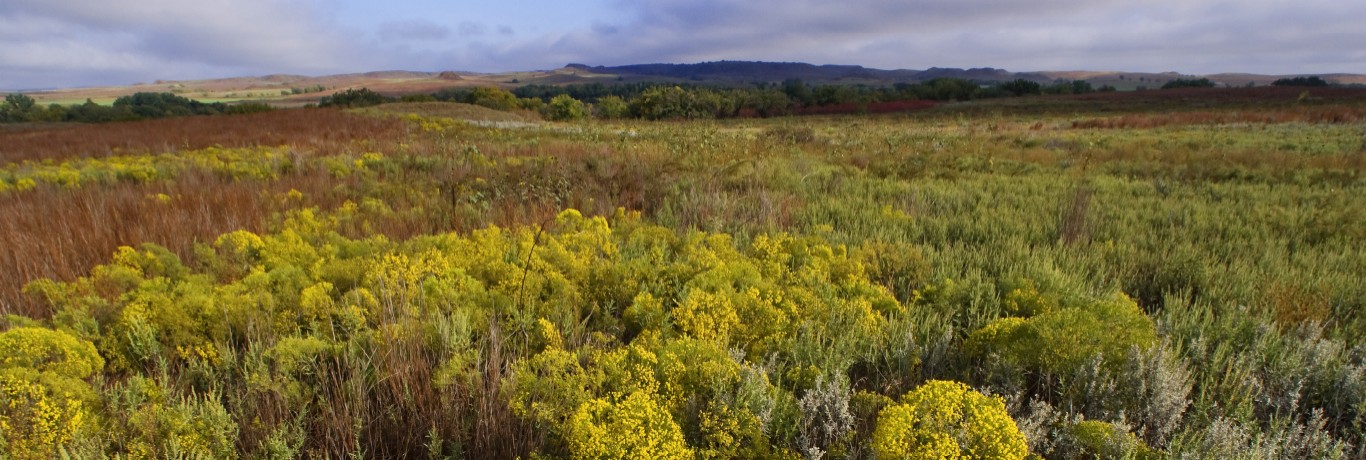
20,108
647,100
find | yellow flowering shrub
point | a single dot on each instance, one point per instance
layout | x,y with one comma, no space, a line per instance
44,400
40,411
549,387
707,316
948,420
47,350
637,426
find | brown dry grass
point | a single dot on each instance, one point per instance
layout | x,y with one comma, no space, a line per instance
60,234
453,110
1307,114
305,129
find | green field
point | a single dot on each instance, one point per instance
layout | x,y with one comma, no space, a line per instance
1124,277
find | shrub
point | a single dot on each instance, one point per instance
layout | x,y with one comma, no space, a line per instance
565,108
1063,340
44,402
46,350
612,107
40,411
637,426
1096,439
948,420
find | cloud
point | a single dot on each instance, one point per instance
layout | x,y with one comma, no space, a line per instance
1210,36
78,42
47,43
415,30
472,29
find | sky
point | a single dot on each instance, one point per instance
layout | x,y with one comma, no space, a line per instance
67,43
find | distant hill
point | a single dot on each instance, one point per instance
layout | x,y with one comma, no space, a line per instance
298,89
740,72
750,71
743,71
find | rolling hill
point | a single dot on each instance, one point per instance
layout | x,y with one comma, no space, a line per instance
287,90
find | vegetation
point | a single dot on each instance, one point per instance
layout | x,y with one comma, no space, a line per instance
19,108
353,97
1163,274
1313,81
1188,83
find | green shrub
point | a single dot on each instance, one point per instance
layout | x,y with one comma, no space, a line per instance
1096,439
565,108
1061,341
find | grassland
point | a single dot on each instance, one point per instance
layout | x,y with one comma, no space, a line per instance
1169,274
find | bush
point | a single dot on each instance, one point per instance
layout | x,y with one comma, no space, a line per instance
493,98
40,411
612,107
1096,439
946,419
1063,340
565,108
47,350
44,401
638,426
353,97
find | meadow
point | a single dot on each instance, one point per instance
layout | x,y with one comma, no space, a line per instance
1160,274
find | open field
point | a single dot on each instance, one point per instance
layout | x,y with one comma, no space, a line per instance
1130,275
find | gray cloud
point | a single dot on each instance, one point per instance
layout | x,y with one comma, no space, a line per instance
472,29
83,42
47,43
1160,35
415,30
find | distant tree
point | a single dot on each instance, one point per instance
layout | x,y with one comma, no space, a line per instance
948,89
162,105
1022,87
19,101
767,102
1188,83
1313,81
353,97
798,92
1069,87
18,107
90,112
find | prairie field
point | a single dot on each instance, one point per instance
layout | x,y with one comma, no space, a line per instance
1159,274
